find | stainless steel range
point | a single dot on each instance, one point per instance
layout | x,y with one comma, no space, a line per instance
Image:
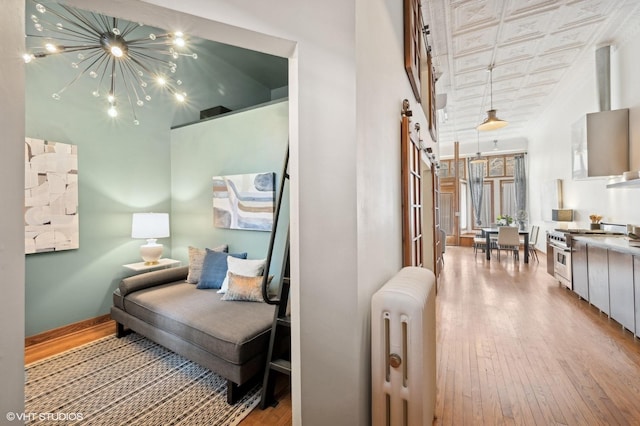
559,256
559,249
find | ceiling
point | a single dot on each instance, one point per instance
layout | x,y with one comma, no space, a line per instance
537,47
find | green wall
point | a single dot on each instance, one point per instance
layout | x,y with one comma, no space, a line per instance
251,141
122,169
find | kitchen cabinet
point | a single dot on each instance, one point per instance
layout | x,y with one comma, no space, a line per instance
579,268
621,294
598,277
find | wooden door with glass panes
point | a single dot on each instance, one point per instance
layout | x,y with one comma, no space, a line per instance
411,193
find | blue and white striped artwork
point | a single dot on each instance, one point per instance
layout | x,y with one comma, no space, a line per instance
244,201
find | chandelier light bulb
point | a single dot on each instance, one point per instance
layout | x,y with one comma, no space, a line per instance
112,111
116,51
179,41
181,97
111,98
51,48
161,81
28,58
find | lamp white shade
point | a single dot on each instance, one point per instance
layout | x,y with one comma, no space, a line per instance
150,226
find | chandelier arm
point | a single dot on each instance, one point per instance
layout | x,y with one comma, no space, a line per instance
80,74
133,57
160,40
141,65
72,49
141,52
129,28
126,86
97,55
102,22
102,69
58,38
80,36
89,27
113,77
132,71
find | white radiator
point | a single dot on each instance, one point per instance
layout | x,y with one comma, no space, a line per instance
403,349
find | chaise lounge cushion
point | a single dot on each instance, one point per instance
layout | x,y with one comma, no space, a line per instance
228,329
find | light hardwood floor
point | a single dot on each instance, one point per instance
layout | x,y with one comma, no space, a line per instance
514,347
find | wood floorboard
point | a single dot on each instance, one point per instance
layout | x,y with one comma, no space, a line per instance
526,350
513,347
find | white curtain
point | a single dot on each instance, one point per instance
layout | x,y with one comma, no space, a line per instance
508,200
446,212
476,186
486,216
520,183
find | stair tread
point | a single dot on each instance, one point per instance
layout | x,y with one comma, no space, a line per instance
282,365
286,321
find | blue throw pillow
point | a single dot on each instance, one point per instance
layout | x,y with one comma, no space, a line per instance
214,268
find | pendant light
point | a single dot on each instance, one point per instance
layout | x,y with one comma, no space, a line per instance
478,158
492,122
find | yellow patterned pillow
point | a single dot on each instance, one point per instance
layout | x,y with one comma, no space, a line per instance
245,289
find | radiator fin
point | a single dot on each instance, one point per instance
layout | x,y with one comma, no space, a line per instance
405,353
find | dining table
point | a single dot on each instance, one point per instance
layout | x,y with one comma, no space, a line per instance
494,231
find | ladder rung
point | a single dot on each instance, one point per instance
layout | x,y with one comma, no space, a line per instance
281,365
285,321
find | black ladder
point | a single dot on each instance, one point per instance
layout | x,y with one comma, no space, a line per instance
279,354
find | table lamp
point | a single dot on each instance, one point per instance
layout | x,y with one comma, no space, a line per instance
150,226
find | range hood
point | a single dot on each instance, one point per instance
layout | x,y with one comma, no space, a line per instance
600,140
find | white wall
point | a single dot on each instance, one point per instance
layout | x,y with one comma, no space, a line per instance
381,86
550,144
11,209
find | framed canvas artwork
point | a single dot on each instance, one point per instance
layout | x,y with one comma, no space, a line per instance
244,201
51,196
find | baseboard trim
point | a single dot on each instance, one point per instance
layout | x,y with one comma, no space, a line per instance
66,330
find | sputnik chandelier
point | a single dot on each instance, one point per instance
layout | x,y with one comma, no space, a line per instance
111,51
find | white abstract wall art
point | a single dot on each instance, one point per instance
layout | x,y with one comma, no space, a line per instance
244,201
51,196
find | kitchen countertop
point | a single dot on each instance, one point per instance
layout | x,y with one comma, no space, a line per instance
618,243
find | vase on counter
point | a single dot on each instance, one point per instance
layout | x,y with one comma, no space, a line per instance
595,226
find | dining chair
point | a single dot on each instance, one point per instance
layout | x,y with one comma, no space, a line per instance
533,239
509,240
480,242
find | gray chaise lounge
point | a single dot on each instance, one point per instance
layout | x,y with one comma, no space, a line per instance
229,338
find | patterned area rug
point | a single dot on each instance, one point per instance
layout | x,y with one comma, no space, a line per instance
128,381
